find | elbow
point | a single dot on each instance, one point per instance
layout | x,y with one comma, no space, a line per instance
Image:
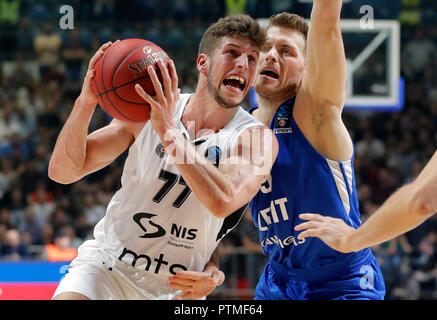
424,203
224,204
58,175
221,209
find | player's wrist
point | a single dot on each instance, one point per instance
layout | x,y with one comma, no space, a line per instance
86,103
169,134
349,242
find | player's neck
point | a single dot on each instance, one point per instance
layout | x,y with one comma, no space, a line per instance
206,113
266,110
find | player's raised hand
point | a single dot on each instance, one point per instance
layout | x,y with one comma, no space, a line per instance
87,96
195,285
331,231
163,104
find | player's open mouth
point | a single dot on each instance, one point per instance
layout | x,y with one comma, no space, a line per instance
235,82
270,74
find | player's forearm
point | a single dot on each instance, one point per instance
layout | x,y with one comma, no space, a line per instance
69,153
327,11
401,212
210,185
326,60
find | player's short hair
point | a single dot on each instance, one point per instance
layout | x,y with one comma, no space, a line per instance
236,25
291,21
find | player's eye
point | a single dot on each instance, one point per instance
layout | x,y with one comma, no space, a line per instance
232,52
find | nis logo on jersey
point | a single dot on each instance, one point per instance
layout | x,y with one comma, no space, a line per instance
151,230
154,230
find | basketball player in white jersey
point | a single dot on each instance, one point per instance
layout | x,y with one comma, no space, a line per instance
187,179
403,211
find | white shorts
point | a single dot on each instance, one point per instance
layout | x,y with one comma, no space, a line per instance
96,276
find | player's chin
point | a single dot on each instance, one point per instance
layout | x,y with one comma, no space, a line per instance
265,89
232,97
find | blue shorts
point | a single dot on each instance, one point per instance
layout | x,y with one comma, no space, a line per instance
361,281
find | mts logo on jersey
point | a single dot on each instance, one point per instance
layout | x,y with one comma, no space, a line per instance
277,212
148,261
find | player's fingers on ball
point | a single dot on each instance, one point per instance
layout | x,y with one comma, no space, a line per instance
165,79
143,94
89,75
94,59
174,76
106,45
156,84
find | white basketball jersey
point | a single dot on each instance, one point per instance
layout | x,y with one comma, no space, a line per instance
154,222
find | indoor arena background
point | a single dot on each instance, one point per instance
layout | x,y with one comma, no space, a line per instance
41,70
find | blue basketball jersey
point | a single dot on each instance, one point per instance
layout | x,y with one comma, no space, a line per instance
303,181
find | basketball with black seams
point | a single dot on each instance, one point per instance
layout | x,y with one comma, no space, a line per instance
121,67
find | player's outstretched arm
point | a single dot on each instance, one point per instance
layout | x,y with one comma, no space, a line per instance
196,285
224,190
406,209
326,71
320,100
76,153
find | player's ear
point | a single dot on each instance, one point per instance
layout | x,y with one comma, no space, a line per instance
202,64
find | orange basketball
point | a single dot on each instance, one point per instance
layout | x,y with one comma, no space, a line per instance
117,72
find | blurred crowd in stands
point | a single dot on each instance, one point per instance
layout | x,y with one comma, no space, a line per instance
41,72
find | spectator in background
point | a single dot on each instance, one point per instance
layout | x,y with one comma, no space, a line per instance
42,204
7,174
255,260
5,217
47,45
9,20
419,52
29,225
60,249
83,230
279,6
21,76
71,232
59,219
7,91
235,7
8,123
13,249
103,9
93,211
74,56
370,147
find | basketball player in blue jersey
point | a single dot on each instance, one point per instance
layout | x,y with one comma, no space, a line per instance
301,86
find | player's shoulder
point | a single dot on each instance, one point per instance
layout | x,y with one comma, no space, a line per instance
244,120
